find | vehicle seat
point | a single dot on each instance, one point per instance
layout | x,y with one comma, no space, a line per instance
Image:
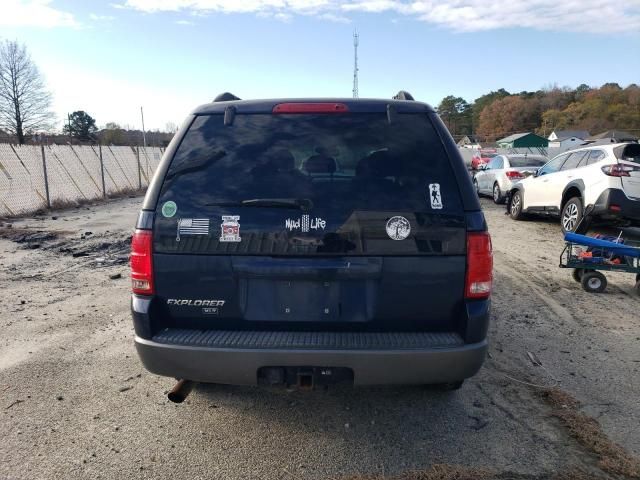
278,173
377,167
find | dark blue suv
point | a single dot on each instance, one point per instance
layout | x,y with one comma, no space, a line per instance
309,242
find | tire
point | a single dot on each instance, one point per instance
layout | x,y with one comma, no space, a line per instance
594,282
571,215
577,274
515,208
498,198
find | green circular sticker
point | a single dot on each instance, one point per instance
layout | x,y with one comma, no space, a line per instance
169,209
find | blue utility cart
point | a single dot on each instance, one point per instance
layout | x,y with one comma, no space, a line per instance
589,256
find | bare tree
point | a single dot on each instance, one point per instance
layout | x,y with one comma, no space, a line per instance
24,100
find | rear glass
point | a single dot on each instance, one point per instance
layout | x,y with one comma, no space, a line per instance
630,152
529,161
310,184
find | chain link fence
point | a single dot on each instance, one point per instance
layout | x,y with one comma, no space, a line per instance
34,177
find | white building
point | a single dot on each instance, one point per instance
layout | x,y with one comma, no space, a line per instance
469,141
567,139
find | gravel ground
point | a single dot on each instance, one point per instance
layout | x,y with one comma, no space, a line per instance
75,401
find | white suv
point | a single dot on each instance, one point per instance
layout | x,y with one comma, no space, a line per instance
604,178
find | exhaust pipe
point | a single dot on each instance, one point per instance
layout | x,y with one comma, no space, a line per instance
181,391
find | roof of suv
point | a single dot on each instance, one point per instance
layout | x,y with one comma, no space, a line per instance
355,105
609,147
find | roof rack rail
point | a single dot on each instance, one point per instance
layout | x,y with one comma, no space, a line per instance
225,97
403,95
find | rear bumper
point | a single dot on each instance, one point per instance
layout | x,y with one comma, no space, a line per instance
239,366
629,209
505,184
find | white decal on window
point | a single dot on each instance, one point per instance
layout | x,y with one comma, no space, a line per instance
435,196
398,228
192,226
305,223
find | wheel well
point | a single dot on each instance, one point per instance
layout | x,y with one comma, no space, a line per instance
569,194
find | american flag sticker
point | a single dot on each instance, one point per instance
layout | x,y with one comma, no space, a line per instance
192,226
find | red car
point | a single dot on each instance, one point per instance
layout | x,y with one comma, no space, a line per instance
482,157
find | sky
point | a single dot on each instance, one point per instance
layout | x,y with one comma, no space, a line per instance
112,57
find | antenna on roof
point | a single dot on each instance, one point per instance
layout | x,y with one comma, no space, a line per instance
356,41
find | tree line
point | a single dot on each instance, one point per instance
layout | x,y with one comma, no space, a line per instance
500,113
25,109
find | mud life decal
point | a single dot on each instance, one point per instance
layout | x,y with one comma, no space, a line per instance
192,226
434,196
230,228
398,228
305,224
169,209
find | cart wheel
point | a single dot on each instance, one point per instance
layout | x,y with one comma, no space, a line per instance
594,282
577,274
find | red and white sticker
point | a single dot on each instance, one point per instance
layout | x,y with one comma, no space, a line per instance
230,228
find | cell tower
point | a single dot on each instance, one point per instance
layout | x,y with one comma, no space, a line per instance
356,39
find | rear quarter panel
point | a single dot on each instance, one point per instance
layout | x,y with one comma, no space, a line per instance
596,182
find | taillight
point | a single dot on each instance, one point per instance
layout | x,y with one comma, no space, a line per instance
479,265
617,170
141,262
512,175
310,108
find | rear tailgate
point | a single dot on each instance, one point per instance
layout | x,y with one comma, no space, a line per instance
524,171
310,222
526,165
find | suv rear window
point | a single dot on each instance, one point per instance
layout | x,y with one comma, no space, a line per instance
528,161
629,152
349,173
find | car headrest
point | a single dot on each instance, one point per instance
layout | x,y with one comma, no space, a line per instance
275,161
378,164
281,160
320,164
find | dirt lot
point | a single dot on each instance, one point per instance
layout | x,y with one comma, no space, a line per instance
76,403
